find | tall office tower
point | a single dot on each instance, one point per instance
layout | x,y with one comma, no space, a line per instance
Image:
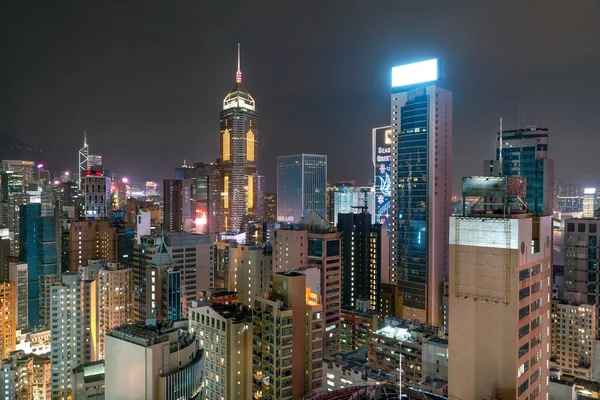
296,314
94,161
524,152
382,165
37,247
18,275
8,327
499,295
83,158
574,344
188,205
249,271
239,150
162,361
421,114
191,258
191,255
316,244
260,210
344,199
225,332
365,249
589,202
95,189
301,186
91,240
67,332
270,207
115,300
172,205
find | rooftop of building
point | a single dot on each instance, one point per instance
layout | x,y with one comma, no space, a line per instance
408,331
238,312
149,333
583,386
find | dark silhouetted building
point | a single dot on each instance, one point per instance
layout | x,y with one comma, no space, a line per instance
172,205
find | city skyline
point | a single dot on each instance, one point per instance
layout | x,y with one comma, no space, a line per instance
129,107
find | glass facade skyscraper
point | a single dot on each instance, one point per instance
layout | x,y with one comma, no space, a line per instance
301,186
525,153
421,116
37,248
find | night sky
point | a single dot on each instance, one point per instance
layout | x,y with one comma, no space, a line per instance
147,79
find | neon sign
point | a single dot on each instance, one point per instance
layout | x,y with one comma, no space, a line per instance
382,163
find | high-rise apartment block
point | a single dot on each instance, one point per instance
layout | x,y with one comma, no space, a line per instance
249,271
574,345
224,331
239,151
301,186
20,378
8,327
18,275
287,360
315,244
161,361
421,171
499,295
356,324
67,332
173,205
91,240
365,249
114,301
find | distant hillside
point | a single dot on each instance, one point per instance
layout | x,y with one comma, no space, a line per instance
12,148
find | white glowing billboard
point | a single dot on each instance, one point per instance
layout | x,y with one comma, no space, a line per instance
412,74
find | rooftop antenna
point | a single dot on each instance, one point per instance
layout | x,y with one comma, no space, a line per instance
84,137
238,74
500,153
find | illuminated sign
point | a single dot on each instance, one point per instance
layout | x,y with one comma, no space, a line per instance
382,163
411,74
91,172
589,191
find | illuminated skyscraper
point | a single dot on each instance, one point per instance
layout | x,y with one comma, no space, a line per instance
589,202
239,134
173,205
421,114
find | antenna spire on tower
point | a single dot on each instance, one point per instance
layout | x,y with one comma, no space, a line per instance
84,137
238,74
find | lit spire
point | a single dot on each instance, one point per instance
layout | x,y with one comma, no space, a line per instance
238,74
84,138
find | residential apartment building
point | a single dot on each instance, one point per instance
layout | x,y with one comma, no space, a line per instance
315,244
287,345
224,331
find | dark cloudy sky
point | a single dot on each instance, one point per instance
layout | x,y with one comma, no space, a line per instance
147,79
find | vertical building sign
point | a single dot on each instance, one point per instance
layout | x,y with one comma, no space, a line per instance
382,163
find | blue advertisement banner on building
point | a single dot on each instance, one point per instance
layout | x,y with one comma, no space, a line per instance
382,163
